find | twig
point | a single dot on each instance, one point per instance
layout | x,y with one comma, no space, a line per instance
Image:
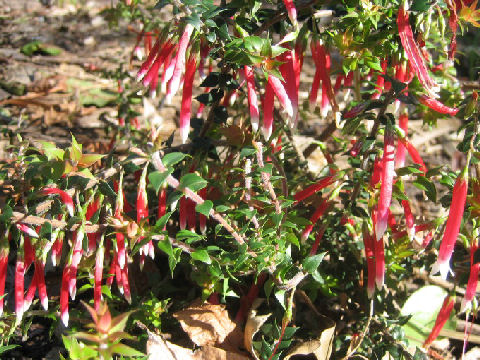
362,335
56,224
157,163
266,177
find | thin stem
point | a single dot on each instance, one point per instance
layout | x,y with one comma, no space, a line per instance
266,177
174,183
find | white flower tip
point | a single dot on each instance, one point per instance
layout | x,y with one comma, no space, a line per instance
443,268
466,305
70,209
168,99
380,228
370,292
44,302
121,260
324,111
184,134
254,122
26,305
267,132
64,317
153,94
140,75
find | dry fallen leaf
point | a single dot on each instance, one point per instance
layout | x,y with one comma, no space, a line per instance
254,323
321,346
208,324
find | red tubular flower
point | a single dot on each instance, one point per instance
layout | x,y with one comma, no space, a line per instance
379,255
442,318
19,285
66,199
281,94
312,189
126,285
76,256
452,228
314,90
29,252
369,244
64,296
322,208
401,149
97,288
289,73
268,107
42,288
179,63
325,104
168,70
380,81
151,79
247,300
162,201
4,250
291,11
27,230
202,219
409,219
377,172
57,246
92,208
252,98
437,105
111,271
318,238
204,51
191,215
142,210
471,287
427,239
148,62
186,108
413,53
388,172
183,212
415,155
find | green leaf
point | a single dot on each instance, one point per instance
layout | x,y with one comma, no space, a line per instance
89,159
173,158
51,151
211,80
311,263
106,190
125,350
157,178
428,186
160,224
407,170
192,181
247,151
166,247
46,230
201,255
204,208
420,5
188,236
